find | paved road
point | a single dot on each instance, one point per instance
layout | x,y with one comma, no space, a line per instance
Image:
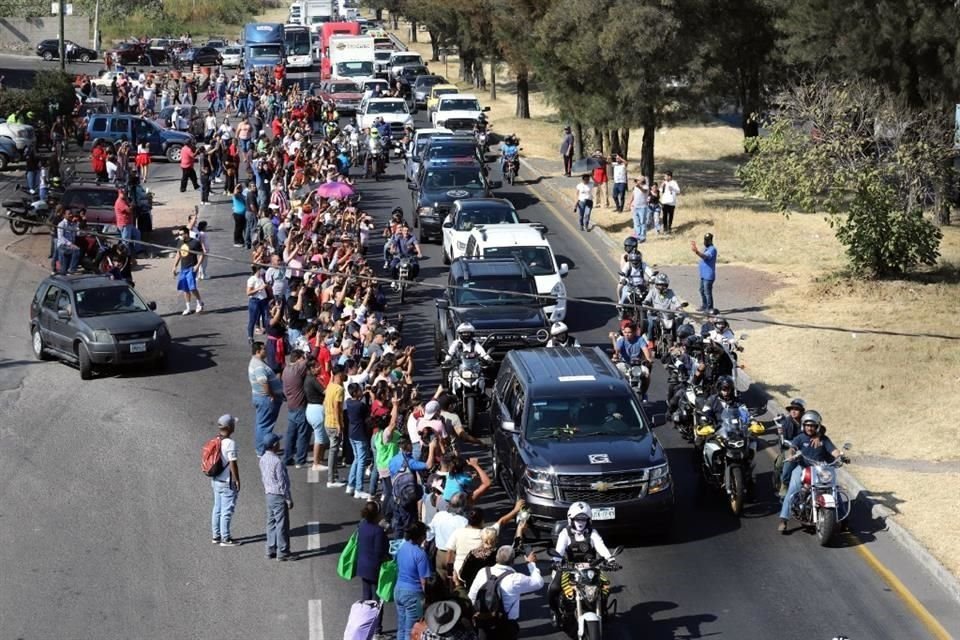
107,513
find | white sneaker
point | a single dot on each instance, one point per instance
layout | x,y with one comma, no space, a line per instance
336,485
349,491
199,307
186,312
319,467
361,495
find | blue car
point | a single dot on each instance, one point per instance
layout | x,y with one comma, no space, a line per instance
114,128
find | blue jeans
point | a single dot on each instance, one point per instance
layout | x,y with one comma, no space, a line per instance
129,233
278,526
256,310
706,293
361,450
69,259
33,180
297,439
640,223
224,504
266,412
250,234
584,208
409,609
796,479
619,193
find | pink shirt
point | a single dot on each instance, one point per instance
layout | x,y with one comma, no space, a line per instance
186,157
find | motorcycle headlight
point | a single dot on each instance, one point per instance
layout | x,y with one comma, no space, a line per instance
734,444
659,479
539,483
825,475
466,374
590,592
591,574
102,336
636,372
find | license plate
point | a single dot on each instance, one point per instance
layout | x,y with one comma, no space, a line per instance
608,513
138,347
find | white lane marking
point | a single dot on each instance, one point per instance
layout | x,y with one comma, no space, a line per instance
315,617
313,475
313,535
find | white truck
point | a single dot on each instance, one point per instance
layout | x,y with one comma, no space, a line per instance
393,111
457,111
351,57
316,12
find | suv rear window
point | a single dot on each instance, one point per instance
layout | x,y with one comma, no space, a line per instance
99,124
93,198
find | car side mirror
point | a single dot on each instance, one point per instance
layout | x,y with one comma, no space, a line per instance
564,269
443,303
508,426
63,314
486,109
152,305
447,224
412,186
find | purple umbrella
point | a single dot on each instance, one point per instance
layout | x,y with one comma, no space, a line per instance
335,190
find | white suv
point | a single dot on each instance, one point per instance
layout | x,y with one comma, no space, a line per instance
457,106
528,242
394,112
468,213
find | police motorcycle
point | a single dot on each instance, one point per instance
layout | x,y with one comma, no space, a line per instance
468,383
510,163
404,276
636,372
664,329
584,603
821,503
727,453
26,212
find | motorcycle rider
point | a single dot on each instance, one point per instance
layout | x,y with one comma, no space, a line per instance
724,397
632,347
722,333
559,337
662,298
404,245
788,427
683,356
374,151
809,447
634,271
579,542
715,364
510,150
466,343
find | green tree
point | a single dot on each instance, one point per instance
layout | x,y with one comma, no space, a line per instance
512,22
876,166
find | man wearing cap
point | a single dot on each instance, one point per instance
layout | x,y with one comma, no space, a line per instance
788,427
566,151
276,485
708,272
226,485
512,586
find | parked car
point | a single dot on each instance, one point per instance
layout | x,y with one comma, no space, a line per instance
97,199
103,81
232,57
21,134
94,320
8,152
139,53
114,127
50,50
217,44
203,56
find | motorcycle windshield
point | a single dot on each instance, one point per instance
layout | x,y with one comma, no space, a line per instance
732,424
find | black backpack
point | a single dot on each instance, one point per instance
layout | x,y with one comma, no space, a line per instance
406,489
489,601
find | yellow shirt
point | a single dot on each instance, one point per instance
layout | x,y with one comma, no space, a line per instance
332,406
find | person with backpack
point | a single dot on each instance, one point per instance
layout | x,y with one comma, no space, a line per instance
413,570
219,462
495,594
405,484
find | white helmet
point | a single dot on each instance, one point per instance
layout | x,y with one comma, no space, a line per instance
465,331
579,511
558,329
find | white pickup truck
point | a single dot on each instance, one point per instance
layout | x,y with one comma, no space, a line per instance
459,107
394,111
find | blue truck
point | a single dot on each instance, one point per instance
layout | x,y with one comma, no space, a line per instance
262,45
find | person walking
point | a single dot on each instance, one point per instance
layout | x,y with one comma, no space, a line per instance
373,549
276,485
583,205
669,190
566,151
251,234
357,412
600,178
333,423
226,485
638,208
185,266
297,439
708,272
413,570
187,172
266,390
206,173
239,216
619,182
512,586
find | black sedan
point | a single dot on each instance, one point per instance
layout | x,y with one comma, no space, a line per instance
203,56
50,50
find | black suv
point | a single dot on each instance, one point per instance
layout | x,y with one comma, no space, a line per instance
567,428
94,320
50,50
496,296
438,184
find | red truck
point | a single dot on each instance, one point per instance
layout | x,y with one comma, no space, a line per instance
328,30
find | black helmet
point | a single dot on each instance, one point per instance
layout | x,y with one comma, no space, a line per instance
694,343
635,258
685,331
725,383
397,212
630,244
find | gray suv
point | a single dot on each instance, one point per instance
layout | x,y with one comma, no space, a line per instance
93,320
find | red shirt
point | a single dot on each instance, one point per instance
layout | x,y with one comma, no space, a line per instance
123,212
186,157
99,159
323,359
278,72
600,174
277,127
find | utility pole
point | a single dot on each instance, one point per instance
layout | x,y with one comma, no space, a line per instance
61,9
96,27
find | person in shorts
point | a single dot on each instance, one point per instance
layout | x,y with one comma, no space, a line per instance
187,264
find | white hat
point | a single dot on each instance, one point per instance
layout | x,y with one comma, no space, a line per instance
430,411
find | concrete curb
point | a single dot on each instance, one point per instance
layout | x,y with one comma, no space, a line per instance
904,538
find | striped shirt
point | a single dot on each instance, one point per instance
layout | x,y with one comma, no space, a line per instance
67,233
273,473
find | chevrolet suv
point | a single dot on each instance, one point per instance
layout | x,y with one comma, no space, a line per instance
567,428
499,298
438,185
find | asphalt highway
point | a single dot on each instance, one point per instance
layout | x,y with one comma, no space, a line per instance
105,513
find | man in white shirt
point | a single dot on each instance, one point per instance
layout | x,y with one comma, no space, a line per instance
442,527
669,191
226,485
619,182
512,586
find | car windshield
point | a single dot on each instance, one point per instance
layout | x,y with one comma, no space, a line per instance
264,50
232,51
405,59
446,151
444,92
585,417
426,81
381,56
343,87
539,259
351,69
108,301
495,291
93,198
393,106
467,220
459,104
468,178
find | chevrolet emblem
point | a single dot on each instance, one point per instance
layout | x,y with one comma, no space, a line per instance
601,486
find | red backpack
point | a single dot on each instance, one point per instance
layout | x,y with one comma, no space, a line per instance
210,461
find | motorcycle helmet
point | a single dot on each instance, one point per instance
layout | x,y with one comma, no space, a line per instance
465,332
374,133
397,213
720,323
579,515
630,245
661,281
814,418
482,118
559,331
685,331
725,387
694,344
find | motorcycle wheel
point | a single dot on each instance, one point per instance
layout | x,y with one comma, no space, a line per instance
470,413
592,630
736,490
19,226
826,525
